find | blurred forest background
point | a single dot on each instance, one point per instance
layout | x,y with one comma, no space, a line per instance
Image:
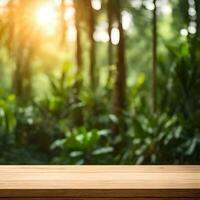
99,82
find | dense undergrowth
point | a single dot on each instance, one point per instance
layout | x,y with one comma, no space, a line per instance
73,122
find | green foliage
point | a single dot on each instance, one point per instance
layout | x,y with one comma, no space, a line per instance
83,147
70,123
7,113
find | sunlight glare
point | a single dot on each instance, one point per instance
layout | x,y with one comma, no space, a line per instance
126,20
3,3
149,5
69,14
57,2
101,33
96,4
71,33
46,18
136,4
115,36
184,32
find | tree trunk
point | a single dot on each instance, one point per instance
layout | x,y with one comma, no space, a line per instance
78,114
110,49
120,84
62,22
91,21
17,78
11,24
197,6
154,58
22,53
79,61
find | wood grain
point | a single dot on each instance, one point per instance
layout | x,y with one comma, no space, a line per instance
98,198
100,181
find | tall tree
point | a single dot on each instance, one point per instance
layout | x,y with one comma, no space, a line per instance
154,57
79,61
11,24
91,22
196,38
22,50
197,6
62,22
120,84
110,46
78,114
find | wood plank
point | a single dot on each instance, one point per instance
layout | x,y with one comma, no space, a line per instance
99,199
68,193
100,181
107,168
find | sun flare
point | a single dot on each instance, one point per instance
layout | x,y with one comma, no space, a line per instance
46,17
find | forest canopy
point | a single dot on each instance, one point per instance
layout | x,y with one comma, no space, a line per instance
99,81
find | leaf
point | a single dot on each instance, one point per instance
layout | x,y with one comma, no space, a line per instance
104,150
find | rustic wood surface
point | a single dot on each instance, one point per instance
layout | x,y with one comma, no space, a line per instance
139,198
80,182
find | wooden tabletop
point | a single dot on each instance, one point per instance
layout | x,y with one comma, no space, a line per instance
101,181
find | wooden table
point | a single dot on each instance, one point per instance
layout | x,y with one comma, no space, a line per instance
99,182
